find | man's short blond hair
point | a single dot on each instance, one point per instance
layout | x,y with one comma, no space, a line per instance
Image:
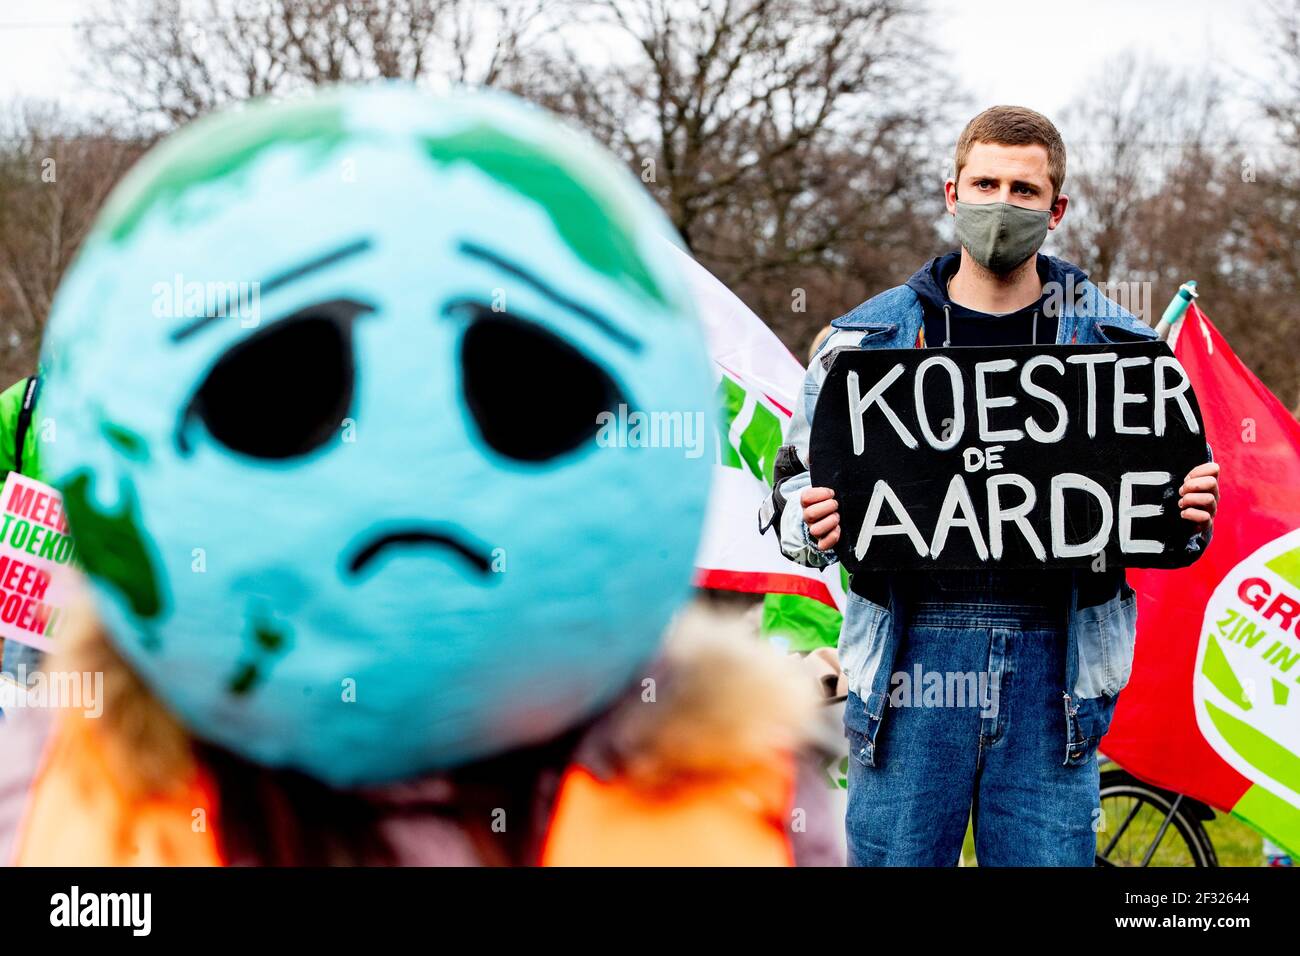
1014,126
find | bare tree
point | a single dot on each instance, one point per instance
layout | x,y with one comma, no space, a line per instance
1280,98
1275,223
1167,191
171,61
783,137
1138,121
53,180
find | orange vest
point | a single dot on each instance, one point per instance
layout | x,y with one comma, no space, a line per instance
740,822
77,816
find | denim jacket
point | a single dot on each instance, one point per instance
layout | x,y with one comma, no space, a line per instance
1100,636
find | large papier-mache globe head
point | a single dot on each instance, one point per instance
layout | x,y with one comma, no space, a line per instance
360,401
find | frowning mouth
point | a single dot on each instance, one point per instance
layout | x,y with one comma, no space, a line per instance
418,536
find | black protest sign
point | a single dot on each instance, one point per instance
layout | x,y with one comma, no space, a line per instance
1012,457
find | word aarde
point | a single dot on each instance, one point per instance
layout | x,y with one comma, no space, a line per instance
1060,456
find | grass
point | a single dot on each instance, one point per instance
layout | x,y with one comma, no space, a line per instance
1236,844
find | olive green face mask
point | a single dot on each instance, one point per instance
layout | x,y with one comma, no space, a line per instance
1001,236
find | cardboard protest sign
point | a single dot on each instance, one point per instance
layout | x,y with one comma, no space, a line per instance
35,552
1011,457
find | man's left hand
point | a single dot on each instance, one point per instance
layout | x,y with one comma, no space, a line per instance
1200,496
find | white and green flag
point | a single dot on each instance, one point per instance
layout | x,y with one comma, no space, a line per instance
758,381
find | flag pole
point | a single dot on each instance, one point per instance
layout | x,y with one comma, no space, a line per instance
1177,308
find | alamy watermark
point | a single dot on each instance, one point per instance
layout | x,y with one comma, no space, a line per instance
1114,298
41,689
133,911
922,688
193,299
637,429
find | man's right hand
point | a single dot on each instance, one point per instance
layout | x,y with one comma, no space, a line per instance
821,513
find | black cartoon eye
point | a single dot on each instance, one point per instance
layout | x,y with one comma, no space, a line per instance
533,395
283,391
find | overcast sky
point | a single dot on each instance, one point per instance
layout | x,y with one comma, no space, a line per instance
1037,53
37,48
1041,53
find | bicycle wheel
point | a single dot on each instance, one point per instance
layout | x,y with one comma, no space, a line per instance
1142,825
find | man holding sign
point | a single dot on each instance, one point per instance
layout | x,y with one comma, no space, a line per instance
986,501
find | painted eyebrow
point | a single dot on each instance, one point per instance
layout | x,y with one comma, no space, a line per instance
279,280
584,312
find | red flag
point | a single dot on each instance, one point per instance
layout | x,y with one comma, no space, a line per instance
1213,706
